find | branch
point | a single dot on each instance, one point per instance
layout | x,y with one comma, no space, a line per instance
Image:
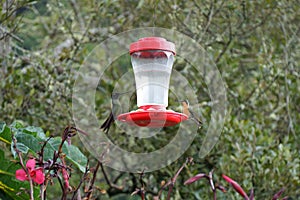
69,28
23,166
209,18
112,185
90,190
141,191
227,44
287,63
77,14
171,182
67,134
41,153
41,158
211,183
81,180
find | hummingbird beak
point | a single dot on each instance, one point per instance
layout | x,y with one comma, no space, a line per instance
120,93
117,94
183,101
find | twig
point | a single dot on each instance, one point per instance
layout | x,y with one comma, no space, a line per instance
118,177
171,182
68,133
60,183
141,191
77,14
186,29
42,192
209,18
219,8
9,33
69,28
65,177
90,190
112,185
41,158
211,183
77,46
81,180
41,153
287,98
227,43
23,166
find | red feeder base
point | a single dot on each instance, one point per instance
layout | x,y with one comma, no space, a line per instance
152,116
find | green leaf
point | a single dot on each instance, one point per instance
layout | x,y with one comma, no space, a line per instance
35,131
21,147
28,138
5,133
16,125
73,154
26,142
9,185
32,139
3,195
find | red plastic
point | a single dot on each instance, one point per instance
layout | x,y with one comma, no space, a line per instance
152,116
152,43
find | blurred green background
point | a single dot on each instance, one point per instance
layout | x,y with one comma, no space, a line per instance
255,45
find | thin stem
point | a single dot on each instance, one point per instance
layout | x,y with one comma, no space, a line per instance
112,185
209,18
143,195
41,158
227,43
68,132
42,193
82,180
170,191
62,188
31,188
89,193
23,166
211,183
215,194
171,183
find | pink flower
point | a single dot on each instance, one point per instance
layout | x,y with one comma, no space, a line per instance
236,186
195,178
36,175
278,194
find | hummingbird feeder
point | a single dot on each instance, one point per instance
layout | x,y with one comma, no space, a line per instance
152,60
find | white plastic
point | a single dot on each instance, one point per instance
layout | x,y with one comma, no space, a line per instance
152,70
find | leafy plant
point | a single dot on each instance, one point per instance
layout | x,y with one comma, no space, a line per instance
51,155
255,45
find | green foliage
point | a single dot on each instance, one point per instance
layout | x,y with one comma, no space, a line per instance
255,45
73,154
259,157
30,140
5,134
10,187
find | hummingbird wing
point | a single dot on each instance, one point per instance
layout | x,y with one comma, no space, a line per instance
195,118
116,110
106,125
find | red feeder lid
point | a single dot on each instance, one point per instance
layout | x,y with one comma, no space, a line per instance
150,117
152,43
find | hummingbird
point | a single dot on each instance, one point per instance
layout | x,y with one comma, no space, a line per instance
188,111
116,108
